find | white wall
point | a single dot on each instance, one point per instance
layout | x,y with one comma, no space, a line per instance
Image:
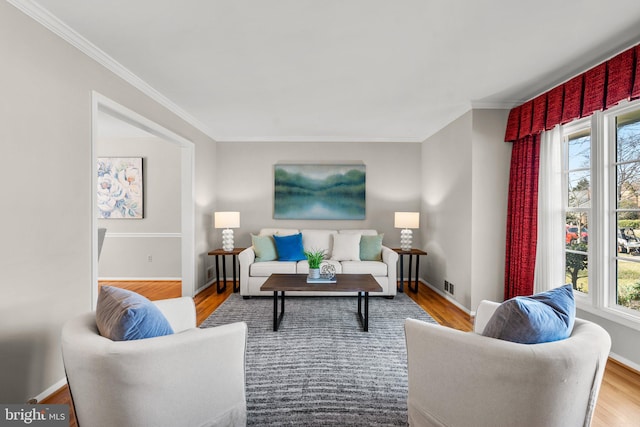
465,175
45,136
245,183
447,194
129,242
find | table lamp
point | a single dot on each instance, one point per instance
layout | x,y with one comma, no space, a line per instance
406,221
227,221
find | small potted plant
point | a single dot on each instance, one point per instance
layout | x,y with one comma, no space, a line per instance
315,258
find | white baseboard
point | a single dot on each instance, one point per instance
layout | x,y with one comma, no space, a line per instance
625,361
49,391
446,296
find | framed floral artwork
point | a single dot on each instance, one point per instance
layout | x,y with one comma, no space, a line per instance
120,188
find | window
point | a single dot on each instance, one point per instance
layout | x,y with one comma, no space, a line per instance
601,211
577,206
626,292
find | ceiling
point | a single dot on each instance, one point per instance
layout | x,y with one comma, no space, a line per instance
345,70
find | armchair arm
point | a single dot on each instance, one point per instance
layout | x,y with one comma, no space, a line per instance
483,313
180,312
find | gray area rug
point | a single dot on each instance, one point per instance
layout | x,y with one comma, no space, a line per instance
320,369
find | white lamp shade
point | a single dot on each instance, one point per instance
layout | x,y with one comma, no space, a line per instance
407,220
226,220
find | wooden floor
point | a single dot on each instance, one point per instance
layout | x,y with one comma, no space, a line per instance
618,403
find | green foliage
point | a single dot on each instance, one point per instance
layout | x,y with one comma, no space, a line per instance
628,294
576,262
630,223
315,257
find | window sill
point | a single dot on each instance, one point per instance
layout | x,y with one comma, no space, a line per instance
616,316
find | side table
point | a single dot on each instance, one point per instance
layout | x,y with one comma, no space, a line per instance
221,252
411,252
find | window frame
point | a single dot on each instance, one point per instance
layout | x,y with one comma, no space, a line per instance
602,251
566,131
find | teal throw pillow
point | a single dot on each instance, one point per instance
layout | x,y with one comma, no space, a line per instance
371,248
289,247
123,315
264,248
544,317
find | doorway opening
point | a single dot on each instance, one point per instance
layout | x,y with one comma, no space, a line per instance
105,110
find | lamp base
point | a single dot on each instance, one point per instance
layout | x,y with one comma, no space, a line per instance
406,236
227,239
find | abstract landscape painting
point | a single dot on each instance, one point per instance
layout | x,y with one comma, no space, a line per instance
309,191
120,187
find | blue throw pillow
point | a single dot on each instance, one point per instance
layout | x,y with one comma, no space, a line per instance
123,315
289,247
544,317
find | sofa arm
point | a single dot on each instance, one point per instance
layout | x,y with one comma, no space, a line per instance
245,259
180,312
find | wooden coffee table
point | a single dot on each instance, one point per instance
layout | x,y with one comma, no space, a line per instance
360,283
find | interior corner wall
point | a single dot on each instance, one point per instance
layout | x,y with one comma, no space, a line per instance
491,160
465,177
245,175
447,193
130,242
46,255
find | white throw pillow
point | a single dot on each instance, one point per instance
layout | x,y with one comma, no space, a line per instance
346,247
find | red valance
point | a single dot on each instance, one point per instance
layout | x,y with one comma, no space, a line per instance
572,105
599,88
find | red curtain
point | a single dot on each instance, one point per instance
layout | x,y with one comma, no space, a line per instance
522,217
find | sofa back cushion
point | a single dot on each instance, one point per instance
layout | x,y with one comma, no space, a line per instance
363,232
318,240
278,231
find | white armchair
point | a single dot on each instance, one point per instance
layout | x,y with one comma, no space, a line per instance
465,379
195,377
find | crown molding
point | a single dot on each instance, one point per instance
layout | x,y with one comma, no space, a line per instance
484,105
62,30
303,139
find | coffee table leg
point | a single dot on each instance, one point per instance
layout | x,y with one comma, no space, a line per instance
366,311
364,319
277,319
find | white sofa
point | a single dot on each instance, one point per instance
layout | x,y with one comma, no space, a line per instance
253,274
466,379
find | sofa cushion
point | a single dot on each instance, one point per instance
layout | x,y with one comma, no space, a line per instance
371,247
317,240
289,247
265,269
278,231
346,247
123,315
303,266
364,232
375,268
544,317
264,248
